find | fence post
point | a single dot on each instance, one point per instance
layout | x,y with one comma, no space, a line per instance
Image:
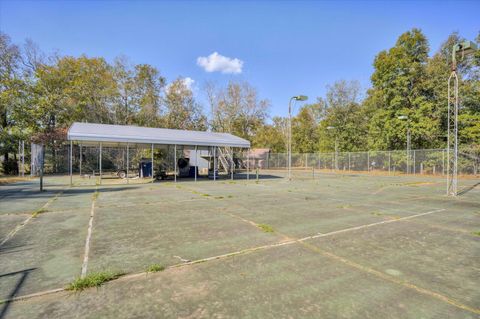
443,162
306,160
414,169
389,157
349,161
368,161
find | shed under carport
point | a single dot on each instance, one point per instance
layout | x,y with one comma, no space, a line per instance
106,135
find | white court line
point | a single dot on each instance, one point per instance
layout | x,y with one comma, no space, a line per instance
370,225
89,235
26,221
235,253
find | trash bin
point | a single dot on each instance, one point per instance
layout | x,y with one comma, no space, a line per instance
145,168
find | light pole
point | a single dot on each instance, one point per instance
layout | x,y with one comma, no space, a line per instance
289,146
404,117
465,48
336,146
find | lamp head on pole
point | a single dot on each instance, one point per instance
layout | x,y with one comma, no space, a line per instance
300,98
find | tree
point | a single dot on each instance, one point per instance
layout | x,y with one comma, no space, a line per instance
343,112
237,109
12,94
148,84
400,88
272,136
181,109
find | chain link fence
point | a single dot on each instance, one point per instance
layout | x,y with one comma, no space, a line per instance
116,166
415,162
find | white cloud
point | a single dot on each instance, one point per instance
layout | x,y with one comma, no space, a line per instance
216,62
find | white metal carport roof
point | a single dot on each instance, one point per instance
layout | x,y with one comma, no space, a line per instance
92,132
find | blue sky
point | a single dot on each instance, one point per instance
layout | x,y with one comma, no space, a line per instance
283,48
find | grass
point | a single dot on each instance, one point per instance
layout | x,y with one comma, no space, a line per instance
377,213
155,268
95,195
266,228
12,179
95,279
477,233
40,211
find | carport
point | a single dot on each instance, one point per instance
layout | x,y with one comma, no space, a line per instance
221,146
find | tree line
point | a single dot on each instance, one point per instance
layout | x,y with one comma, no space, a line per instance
41,95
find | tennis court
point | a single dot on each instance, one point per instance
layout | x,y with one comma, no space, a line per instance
329,245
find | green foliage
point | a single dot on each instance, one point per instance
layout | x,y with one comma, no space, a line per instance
156,268
40,96
93,280
266,228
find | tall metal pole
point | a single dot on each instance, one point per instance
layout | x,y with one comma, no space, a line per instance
70,163
452,141
289,147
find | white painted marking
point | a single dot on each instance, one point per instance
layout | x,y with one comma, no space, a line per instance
87,240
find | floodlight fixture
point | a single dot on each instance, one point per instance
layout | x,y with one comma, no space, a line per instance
465,48
301,98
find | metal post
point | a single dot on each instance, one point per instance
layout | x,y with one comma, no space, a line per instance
152,165
389,157
100,164
70,163
196,162
443,162
248,164
80,166
414,169
306,160
128,159
231,164
336,152
23,158
368,161
408,148
349,161
214,163
175,160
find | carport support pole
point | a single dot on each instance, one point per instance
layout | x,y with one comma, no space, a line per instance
152,164
231,164
175,160
80,170
70,162
214,163
128,160
248,163
100,164
196,161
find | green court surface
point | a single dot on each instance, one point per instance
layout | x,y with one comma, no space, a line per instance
333,246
